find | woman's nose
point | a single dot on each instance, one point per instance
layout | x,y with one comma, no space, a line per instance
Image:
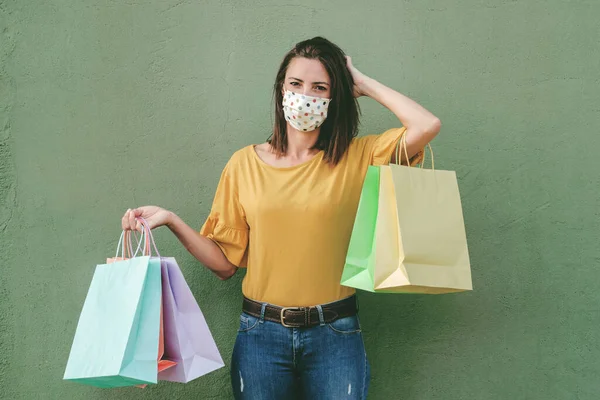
306,91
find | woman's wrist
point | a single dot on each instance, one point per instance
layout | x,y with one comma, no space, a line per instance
368,87
171,220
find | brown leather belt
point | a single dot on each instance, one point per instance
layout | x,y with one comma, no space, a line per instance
302,317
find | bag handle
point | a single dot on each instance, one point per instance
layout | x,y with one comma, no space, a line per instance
125,245
119,244
129,248
148,234
402,146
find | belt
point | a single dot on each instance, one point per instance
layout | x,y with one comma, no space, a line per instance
302,317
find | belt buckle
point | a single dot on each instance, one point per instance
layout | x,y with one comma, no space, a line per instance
282,319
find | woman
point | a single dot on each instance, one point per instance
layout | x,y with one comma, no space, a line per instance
285,210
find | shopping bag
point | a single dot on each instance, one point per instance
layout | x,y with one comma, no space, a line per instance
116,340
128,248
188,340
360,260
420,240
424,212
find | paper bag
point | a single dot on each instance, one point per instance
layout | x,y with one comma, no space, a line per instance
409,237
116,341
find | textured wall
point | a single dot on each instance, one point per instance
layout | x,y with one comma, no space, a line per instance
109,104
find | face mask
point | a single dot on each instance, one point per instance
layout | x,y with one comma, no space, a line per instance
304,113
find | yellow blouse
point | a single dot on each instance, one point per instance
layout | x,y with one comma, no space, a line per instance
291,226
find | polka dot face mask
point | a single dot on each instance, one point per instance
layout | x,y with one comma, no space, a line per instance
304,113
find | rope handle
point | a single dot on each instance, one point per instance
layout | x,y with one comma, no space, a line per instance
125,244
148,234
401,146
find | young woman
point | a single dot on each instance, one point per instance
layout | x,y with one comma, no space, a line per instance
285,210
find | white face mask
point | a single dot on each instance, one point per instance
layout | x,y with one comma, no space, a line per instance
304,113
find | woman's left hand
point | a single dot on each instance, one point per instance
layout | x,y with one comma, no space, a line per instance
360,79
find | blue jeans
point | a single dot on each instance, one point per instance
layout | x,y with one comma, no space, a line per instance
272,362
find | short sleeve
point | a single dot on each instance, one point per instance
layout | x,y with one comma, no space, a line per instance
226,224
382,147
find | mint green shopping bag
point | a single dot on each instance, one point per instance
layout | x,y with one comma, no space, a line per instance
360,259
116,341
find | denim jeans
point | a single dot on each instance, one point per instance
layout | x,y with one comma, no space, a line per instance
272,362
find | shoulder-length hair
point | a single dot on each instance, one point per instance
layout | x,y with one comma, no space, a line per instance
341,124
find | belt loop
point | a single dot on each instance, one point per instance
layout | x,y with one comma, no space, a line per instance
262,312
321,318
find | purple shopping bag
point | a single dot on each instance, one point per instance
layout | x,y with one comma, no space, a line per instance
188,341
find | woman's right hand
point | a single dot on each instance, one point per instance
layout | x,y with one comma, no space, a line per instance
154,216
204,249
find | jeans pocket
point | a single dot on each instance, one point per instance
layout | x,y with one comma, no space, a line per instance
247,322
346,325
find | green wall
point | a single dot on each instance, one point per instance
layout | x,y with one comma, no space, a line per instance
109,104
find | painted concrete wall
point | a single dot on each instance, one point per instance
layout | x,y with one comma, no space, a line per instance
110,104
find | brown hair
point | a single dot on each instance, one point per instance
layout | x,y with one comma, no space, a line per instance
341,124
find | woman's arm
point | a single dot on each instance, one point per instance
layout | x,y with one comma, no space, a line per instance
205,250
421,125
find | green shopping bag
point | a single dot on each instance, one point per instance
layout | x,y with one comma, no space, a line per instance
116,341
360,259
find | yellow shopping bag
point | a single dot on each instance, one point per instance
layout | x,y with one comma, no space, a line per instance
420,239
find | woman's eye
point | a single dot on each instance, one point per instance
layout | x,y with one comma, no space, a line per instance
294,83
321,88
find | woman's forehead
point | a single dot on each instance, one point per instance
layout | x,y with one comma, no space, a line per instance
307,70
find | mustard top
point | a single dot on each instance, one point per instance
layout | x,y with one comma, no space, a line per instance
291,226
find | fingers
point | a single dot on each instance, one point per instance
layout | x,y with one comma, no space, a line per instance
128,221
131,219
138,214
